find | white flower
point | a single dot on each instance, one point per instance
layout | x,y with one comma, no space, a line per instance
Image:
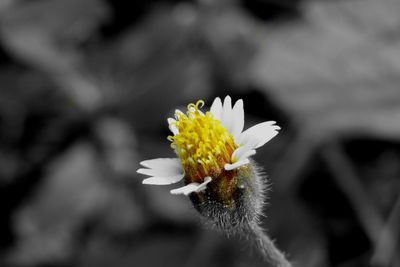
207,145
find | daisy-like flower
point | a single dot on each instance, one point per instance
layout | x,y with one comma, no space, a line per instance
213,158
211,148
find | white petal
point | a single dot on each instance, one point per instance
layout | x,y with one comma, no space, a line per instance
178,112
172,127
164,171
216,108
260,133
238,118
235,165
226,118
192,187
160,172
162,163
240,151
163,180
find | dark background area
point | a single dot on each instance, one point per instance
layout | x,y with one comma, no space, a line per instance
85,91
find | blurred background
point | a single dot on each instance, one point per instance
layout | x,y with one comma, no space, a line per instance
85,90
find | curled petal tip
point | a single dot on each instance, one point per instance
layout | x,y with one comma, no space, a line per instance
236,165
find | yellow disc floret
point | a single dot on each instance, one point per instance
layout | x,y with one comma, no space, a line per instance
202,143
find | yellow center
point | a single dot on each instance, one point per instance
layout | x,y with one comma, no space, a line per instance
203,144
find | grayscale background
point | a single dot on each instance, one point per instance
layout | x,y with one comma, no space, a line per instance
86,87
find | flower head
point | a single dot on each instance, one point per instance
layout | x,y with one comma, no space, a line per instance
223,183
210,146
201,142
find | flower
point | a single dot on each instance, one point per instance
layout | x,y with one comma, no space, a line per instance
211,148
223,183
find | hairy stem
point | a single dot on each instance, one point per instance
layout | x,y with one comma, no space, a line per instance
267,248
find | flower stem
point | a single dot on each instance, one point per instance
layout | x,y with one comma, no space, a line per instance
267,248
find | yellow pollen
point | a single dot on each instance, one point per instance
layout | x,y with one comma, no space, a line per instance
203,144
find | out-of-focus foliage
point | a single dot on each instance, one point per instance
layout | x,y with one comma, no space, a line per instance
85,90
